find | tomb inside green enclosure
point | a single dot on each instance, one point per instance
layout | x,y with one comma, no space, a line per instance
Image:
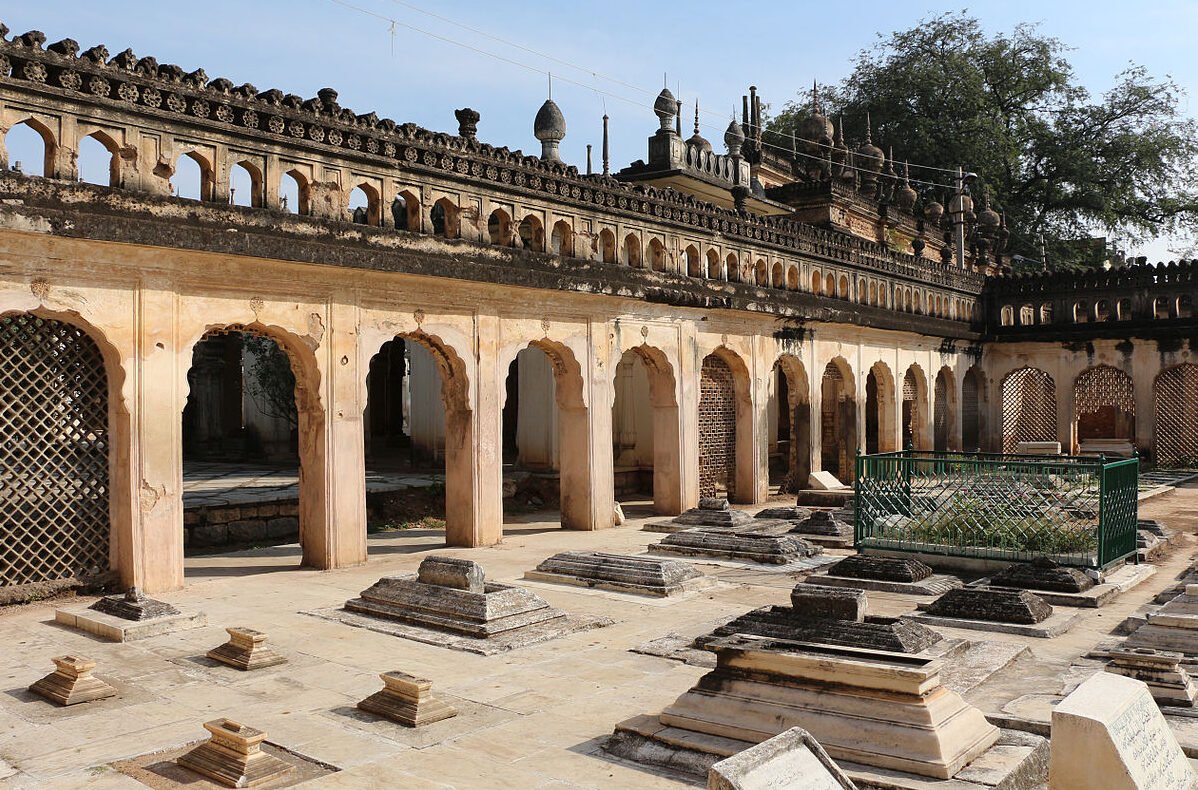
1075,510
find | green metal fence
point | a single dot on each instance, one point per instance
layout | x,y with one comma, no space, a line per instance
1078,511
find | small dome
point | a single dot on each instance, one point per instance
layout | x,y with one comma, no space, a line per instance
734,137
697,140
933,211
869,156
816,128
550,124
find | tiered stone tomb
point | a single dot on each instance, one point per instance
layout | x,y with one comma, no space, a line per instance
451,594
1110,734
233,756
711,513
790,759
870,708
1168,682
72,682
246,650
1174,628
407,700
1042,575
887,574
822,526
792,513
764,541
828,615
641,575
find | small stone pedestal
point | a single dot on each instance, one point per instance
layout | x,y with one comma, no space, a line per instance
129,616
406,699
233,756
1168,683
72,682
246,650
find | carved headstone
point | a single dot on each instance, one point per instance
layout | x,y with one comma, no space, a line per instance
133,605
993,605
1167,681
790,759
1110,734
408,700
454,572
889,569
233,756
1043,574
71,682
246,650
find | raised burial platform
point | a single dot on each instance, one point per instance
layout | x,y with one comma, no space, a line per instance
639,575
246,650
789,513
764,541
1169,683
824,528
886,574
711,512
1063,586
448,602
996,609
873,712
1173,628
233,756
127,617
828,615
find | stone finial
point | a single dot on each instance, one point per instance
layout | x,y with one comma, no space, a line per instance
467,122
233,756
246,650
68,48
72,682
734,138
407,700
452,572
665,107
550,128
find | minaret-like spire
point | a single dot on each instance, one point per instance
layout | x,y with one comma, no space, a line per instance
606,156
814,96
696,116
869,130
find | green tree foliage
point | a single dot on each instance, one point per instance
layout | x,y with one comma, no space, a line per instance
1058,161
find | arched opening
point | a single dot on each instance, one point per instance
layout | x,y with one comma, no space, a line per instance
365,206
1081,313
1123,310
98,162
632,251
499,228
1185,306
607,246
1104,406
838,421
562,239
193,177
880,433
657,256
830,285
532,233
873,293
973,397
294,193
1102,310
789,425
778,278
1046,313
694,267
645,431
1160,308
249,422
31,149
843,291
714,269
732,268
418,424
915,409
546,443
726,428
1029,408
54,460
944,410
817,283
761,274
1027,315
445,220
1175,403
1007,315
792,278
405,212
245,185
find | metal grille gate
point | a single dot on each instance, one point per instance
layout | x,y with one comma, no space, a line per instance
1176,404
54,520
1029,408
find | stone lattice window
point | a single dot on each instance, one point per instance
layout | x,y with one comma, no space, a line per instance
1176,405
717,428
1105,404
1029,408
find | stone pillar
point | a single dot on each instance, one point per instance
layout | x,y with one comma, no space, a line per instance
473,448
148,539
587,471
687,373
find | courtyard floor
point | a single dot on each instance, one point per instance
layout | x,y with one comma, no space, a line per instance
531,718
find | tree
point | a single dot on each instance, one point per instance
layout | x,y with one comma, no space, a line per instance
1055,160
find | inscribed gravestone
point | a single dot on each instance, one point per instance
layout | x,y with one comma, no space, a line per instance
791,759
1109,733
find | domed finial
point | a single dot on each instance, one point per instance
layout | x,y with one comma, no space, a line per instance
696,116
697,140
734,137
869,129
906,195
665,107
815,97
550,128
870,157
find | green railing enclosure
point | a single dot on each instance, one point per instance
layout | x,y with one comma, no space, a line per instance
1078,511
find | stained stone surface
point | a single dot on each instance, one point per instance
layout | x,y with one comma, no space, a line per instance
452,572
636,574
889,569
710,513
233,756
1167,681
790,759
765,542
407,700
1173,628
133,605
824,524
71,682
1000,606
499,608
1043,575
794,513
246,650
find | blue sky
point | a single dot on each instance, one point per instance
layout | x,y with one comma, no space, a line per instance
710,50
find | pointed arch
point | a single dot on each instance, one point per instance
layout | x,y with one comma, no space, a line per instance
632,251
944,410
838,412
607,246
561,240
445,218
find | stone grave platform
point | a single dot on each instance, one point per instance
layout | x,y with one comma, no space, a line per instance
127,617
1168,682
998,610
887,574
635,574
233,756
448,602
923,734
1174,627
246,650
825,528
762,541
1060,586
407,700
790,759
711,512
72,682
